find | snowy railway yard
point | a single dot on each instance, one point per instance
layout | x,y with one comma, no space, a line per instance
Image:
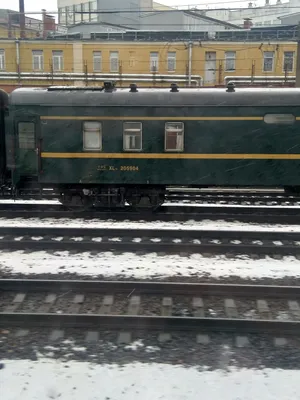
197,337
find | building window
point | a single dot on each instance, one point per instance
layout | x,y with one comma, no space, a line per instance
230,61
171,61
2,60
26,135
97,61
93,5
62,16
288,61
37,60
174,134
132,136
57,60
268,61
286,119
154,61
114,61
92,135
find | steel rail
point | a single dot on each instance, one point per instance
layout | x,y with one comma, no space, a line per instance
146,323
149,287
43,231
249,214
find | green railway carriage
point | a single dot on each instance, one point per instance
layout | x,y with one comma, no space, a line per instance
112,145
3,112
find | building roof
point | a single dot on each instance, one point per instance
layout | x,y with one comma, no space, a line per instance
192,13
289,15
159,6
259,34
98,23
214,20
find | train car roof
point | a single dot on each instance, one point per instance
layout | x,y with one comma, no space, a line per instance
68,97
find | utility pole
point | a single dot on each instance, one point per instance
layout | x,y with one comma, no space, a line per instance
22,18
298,58
190,62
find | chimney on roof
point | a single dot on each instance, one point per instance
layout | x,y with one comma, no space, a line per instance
247,23
250,5
267,3
48,23
9,27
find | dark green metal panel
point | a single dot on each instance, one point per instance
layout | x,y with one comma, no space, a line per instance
201,137
169,172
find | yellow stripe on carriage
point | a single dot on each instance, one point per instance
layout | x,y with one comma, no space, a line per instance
123,118
182,156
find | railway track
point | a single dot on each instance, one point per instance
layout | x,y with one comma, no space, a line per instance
169,241
248,214
234,198
131,306
202,196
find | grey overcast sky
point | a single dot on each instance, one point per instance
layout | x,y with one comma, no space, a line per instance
51,5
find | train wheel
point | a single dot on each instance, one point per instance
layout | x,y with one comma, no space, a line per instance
76,202
145,201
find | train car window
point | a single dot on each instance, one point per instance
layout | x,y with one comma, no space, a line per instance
174,136
92,135
26,133
279,118
132,136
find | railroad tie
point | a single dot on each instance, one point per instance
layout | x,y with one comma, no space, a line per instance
56,334
241,341
166,307
280,341
134,305
124,338
294,308
107,304
198,307
77,303
17,301
49,301
92,337
202,339
263,309
230,308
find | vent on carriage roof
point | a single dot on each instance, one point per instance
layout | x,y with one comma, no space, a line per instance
133,87
230,87
174,87
109,86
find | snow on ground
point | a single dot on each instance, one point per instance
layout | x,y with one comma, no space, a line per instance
9,201
130,265
127,224
53,379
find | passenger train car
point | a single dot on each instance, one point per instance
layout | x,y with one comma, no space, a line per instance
109,146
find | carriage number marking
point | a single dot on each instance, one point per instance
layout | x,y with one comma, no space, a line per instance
113,168
129,168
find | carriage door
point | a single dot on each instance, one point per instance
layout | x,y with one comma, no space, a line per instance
210,68
26,145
